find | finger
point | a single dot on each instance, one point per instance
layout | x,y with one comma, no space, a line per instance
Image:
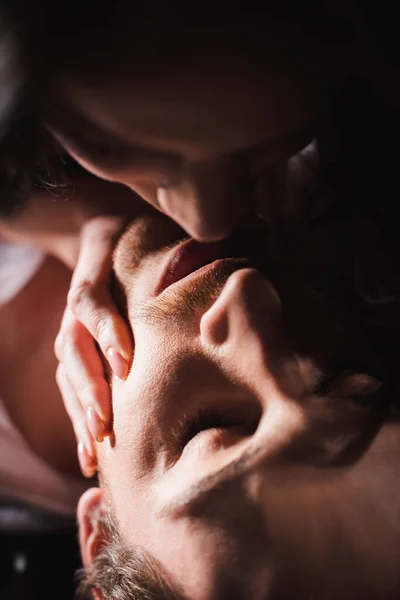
95,309
67,319
90,300
98,239
86,451
76,350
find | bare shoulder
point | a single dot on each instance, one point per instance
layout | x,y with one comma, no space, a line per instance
28,325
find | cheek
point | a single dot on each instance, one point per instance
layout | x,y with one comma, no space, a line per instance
129,452
134,422
82,160
145,187
146,190
141,405
125,460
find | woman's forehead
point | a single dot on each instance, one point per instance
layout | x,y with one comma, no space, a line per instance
197,116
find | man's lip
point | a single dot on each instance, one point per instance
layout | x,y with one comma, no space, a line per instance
190,256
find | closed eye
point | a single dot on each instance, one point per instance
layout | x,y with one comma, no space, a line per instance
115,157
246,420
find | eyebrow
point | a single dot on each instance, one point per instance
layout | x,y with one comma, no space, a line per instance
195,493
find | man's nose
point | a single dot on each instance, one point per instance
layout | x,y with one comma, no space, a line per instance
243,323
243,330
204,202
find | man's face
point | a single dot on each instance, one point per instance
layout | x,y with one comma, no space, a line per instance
194,127
240,459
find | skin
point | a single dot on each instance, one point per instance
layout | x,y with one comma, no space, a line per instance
231,115
204,135
80,221
298,497
29,323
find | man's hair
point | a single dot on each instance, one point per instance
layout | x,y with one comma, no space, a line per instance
120,572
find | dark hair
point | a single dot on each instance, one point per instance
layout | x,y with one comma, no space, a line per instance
122,573
35,42
39,38
29,159
366,121
85,24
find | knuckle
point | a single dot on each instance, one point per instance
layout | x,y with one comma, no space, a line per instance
89,390
71,335
79,295
59,345
60,377
85,302
68,337
102,230
100,328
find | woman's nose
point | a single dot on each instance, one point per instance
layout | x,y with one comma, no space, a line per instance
202,202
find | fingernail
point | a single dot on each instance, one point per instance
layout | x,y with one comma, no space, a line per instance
117,363
86,439
87,464
95,424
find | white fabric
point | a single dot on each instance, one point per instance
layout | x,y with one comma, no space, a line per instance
18,264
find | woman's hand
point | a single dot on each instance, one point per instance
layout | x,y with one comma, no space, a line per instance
80,232
91,316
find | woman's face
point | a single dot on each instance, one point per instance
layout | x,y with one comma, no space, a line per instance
201,133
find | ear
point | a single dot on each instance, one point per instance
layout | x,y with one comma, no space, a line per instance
91,510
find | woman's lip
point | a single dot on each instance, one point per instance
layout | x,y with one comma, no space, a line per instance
190,256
